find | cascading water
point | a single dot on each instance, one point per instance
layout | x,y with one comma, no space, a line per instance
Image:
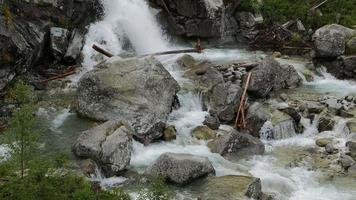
131,22
125,23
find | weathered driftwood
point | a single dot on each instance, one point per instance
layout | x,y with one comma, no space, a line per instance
60,76
240,118
317,6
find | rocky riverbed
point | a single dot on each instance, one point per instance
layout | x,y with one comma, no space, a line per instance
134,116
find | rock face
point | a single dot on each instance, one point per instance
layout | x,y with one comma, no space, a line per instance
181,168
140,91
58,42
109,144
330,40
231,188
271,76
25,32
234,145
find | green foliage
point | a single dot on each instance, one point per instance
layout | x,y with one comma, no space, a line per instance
22,137
281,11
20,93
39,184
157,190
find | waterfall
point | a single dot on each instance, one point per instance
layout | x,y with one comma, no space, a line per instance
125,23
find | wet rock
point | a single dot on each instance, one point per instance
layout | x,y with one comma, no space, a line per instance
351,172
58,42
313,107
351,125
309,76
186,61
109,144
139,90
232,187
326,122
276,54
203,133
270,75
330,40
181,168
212,121
88,167
292,113
346,161
284,97
256,116
351,145
234,145
351,45
322,142
75,46
170,133
330,149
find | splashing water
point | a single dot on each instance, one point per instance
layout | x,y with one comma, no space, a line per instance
125,23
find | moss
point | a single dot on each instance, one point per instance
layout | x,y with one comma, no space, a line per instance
7,14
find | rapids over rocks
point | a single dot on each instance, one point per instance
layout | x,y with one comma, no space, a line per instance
292,166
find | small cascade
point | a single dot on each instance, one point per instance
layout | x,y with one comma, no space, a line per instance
282,130
106,182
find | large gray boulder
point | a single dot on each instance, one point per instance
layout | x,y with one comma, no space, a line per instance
139,90
219,96
234,145
270,75
330,40
181,168
109,144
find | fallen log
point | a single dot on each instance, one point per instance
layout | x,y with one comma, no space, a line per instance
102,51
173,52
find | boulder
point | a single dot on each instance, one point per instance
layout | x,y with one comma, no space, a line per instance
58,42
346,161
330,40
139,90
180,168
212,121
269,76
170,133
326,121
234,145
351,172
203,133
109,144
351,145
231,187
224,98
351,45
322,142
330,149
256,117
186,61
218,95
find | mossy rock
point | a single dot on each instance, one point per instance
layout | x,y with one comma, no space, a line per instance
322,142
170,133
308,75
351,46
203,133
230,187
186,61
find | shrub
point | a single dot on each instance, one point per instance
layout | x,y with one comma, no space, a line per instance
20,92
